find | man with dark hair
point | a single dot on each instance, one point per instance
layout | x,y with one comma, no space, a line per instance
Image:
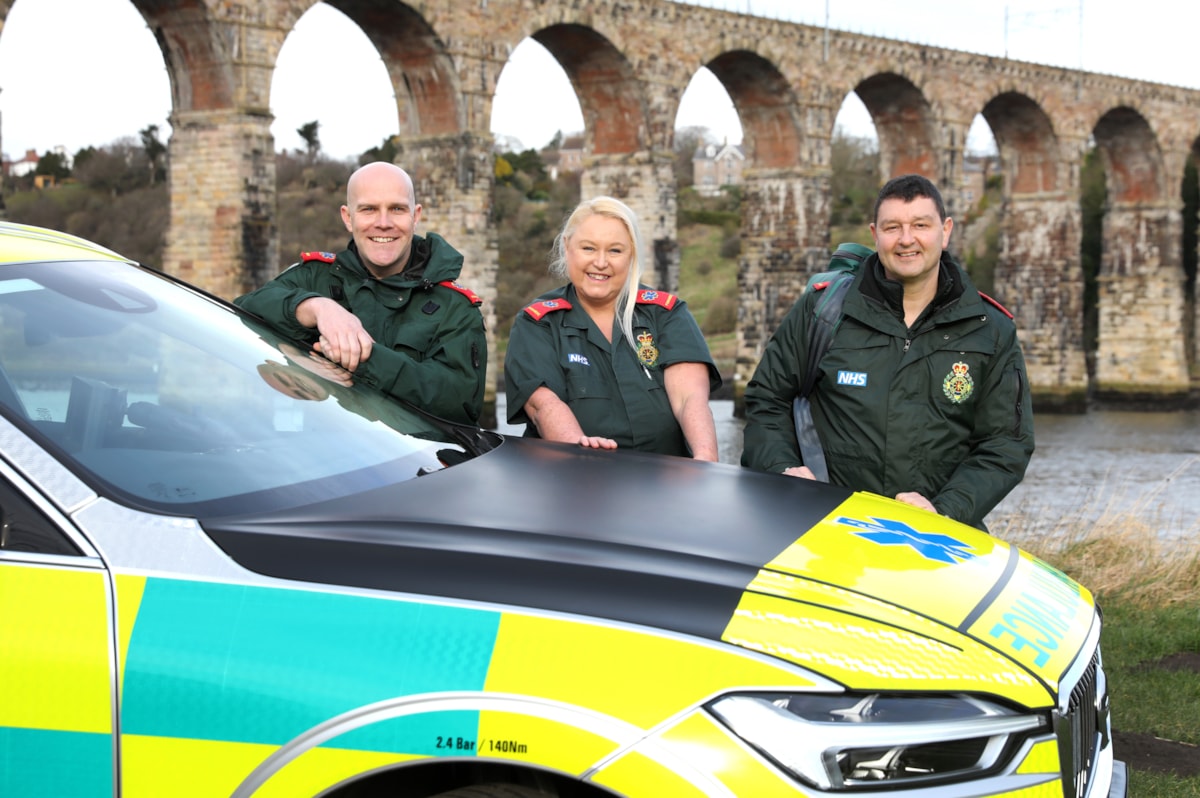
922,394
388,307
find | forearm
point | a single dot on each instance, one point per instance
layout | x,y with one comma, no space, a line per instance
687,390
552,417
770,431
696,421
277,303
769,436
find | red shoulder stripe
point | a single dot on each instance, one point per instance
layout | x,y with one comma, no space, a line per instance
649,296
462,289
539,309
324,257
996,304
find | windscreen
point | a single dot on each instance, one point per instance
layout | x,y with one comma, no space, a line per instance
178,403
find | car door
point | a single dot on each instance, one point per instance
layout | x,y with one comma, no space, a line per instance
57,693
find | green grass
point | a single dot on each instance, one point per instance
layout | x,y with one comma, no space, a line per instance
704,276
1161,702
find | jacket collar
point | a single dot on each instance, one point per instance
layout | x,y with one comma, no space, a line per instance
431,260
952,285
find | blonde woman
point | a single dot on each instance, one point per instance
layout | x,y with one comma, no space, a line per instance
603,361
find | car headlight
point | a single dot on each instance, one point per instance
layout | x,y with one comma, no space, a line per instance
863,740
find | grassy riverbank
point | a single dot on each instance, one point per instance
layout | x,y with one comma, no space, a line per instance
1145,582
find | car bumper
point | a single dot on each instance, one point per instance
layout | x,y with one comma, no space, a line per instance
1117,788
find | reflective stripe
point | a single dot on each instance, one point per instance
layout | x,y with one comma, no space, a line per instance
261,665
54,653
55,672
37,762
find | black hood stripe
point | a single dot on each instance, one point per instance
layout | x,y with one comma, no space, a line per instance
644,539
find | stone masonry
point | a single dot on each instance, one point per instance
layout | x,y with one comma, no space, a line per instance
630,61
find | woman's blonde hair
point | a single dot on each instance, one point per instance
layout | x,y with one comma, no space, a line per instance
614,209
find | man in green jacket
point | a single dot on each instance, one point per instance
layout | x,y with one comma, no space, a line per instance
388,307
923,394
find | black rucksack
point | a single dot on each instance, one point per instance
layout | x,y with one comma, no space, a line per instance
834,282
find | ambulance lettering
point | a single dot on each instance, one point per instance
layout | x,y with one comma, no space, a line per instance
1039,621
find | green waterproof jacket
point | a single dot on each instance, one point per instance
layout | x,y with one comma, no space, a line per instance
430,345
943,409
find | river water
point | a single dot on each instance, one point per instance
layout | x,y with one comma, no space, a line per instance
1103,461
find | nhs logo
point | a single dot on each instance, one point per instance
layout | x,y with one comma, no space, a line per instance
857,379
575,358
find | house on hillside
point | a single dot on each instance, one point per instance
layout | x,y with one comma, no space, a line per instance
977,169
28,164
23,166
715,166
567,159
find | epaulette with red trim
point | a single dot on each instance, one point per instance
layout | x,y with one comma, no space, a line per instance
996,304
539,309
649,296
324,257
462,289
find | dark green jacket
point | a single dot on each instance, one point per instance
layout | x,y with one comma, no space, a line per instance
430,345
943,409
613,391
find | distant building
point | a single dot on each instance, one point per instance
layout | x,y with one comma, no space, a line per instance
976,171
567,159
24,166
715,166
28,164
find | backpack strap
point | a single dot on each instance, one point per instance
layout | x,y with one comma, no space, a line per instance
827,314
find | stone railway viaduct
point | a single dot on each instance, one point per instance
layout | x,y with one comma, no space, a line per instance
629,62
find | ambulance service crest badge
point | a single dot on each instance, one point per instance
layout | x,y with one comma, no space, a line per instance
647,352
958,384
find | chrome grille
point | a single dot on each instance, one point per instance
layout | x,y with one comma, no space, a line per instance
1079,732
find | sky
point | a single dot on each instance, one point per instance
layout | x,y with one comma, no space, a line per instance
62,84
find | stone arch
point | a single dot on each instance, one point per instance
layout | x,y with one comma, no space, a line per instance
766,106
196,53
614,112
1028,146
428,95
1140,349
1133,161
1038,275
904,123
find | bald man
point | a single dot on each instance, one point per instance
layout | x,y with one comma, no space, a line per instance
388,307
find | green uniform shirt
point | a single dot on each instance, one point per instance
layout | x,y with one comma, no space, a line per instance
430,345
613,391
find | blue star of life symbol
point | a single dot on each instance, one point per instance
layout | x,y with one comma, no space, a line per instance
930,545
